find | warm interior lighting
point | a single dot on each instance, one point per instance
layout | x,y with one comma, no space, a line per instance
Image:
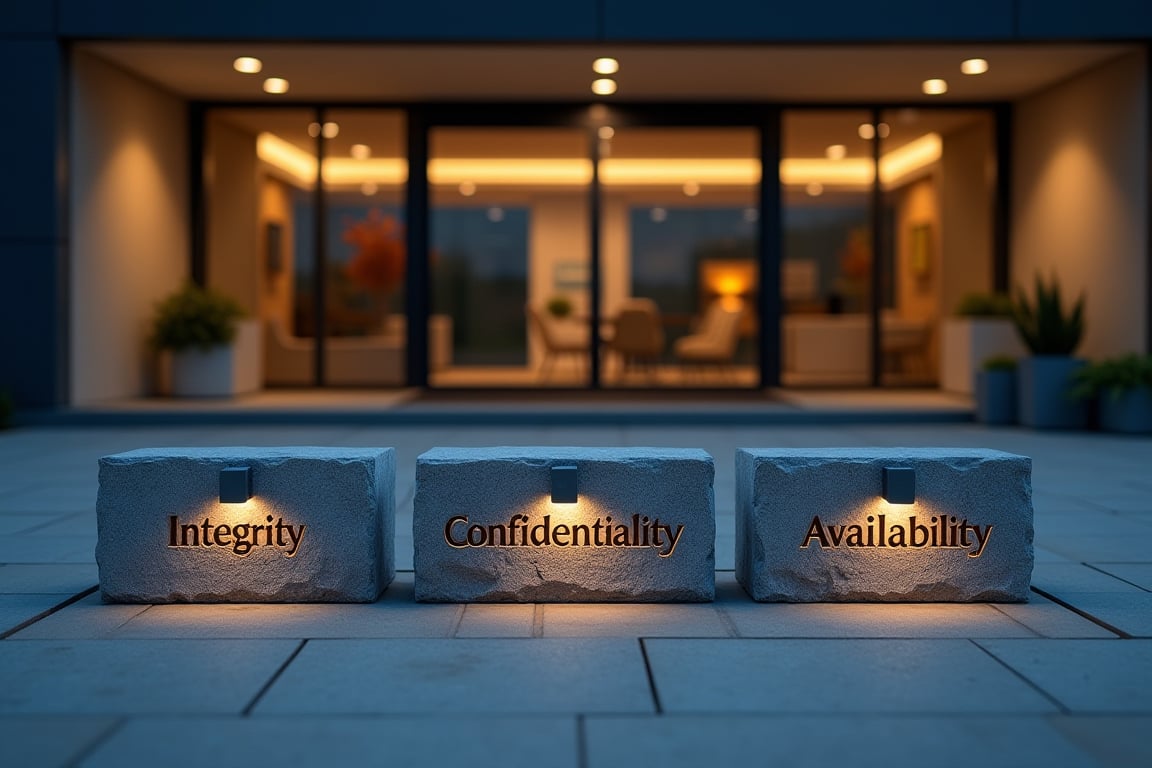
606,66
369,188
836,152
605,86
330,130
974,66
934,87
360,151
814,189
248,65
866,131
276,85
606,132
689,174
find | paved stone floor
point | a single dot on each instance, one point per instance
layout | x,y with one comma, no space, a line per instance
1064,680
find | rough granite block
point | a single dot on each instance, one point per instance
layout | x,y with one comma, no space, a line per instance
318,528
486,529
811,526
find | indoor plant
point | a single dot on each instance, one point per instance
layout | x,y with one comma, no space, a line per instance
213,353
1122,388
981,328
1052,335
996,391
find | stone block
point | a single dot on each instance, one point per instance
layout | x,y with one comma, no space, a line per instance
811,526
642,530
319,526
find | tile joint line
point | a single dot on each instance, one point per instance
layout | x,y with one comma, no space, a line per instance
247,711
651,677
1098,622
1061,709
45,614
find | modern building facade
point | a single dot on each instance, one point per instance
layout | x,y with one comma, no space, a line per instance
772,194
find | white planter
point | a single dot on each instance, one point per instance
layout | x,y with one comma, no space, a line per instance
221,371
967,342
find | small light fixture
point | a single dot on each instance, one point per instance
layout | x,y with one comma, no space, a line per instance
276,85
934,87
606,66
605,132
974,66
814,189
691,189
330,130
836,152
564,485
605,86
467,188
360,151
866,131
248,65
658,215
899,485
495,214
235,485
369,188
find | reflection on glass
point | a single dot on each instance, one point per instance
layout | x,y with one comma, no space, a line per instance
679,241
509,261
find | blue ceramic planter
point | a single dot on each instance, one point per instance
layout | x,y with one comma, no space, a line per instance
1045,396
996,397
1128,411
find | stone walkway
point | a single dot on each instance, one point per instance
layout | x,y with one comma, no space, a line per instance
1064,680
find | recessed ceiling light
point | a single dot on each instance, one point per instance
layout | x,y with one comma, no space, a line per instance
691,189
606,66
866,131
974,66
360,151
883,129
934,87
467,188
605,86
275,85
606,132
815,189
330,130
836,151
249,65
369,188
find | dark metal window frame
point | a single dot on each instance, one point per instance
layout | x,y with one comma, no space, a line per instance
765,117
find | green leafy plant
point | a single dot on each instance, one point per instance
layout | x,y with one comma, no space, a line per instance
1043,323
985,305
1115,376
195,318
1000,363
559,306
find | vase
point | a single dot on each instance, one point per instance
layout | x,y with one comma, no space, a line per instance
1129,410
1045,393
996,397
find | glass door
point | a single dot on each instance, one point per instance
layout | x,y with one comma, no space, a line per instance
509,257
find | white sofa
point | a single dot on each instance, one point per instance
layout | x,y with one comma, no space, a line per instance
835,349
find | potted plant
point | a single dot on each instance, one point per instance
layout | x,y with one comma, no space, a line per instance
1051,334
214,352
996,391
1122,389
981,328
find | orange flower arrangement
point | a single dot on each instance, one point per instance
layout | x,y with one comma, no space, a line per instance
378,264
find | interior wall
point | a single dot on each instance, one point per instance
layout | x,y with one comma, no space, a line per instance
277,286
917,292
129,223
1080,199
231,179
966,183
558,233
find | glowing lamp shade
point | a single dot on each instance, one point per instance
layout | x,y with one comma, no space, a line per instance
564,485
235,485
899,485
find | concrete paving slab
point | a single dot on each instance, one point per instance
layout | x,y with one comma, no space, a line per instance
10,524
136,676
37,741
1089,547
1066,578
1119,742
43,579
1139,574
1107,676
86,619
648,620
16,609
837,676
1128,612
26,548
908,620
413,742
1049,619
860,741
497,620
460,676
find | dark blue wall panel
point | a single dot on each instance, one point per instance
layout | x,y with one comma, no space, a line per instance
332,19
30,87
33,317
1078,19
27,18
814,20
